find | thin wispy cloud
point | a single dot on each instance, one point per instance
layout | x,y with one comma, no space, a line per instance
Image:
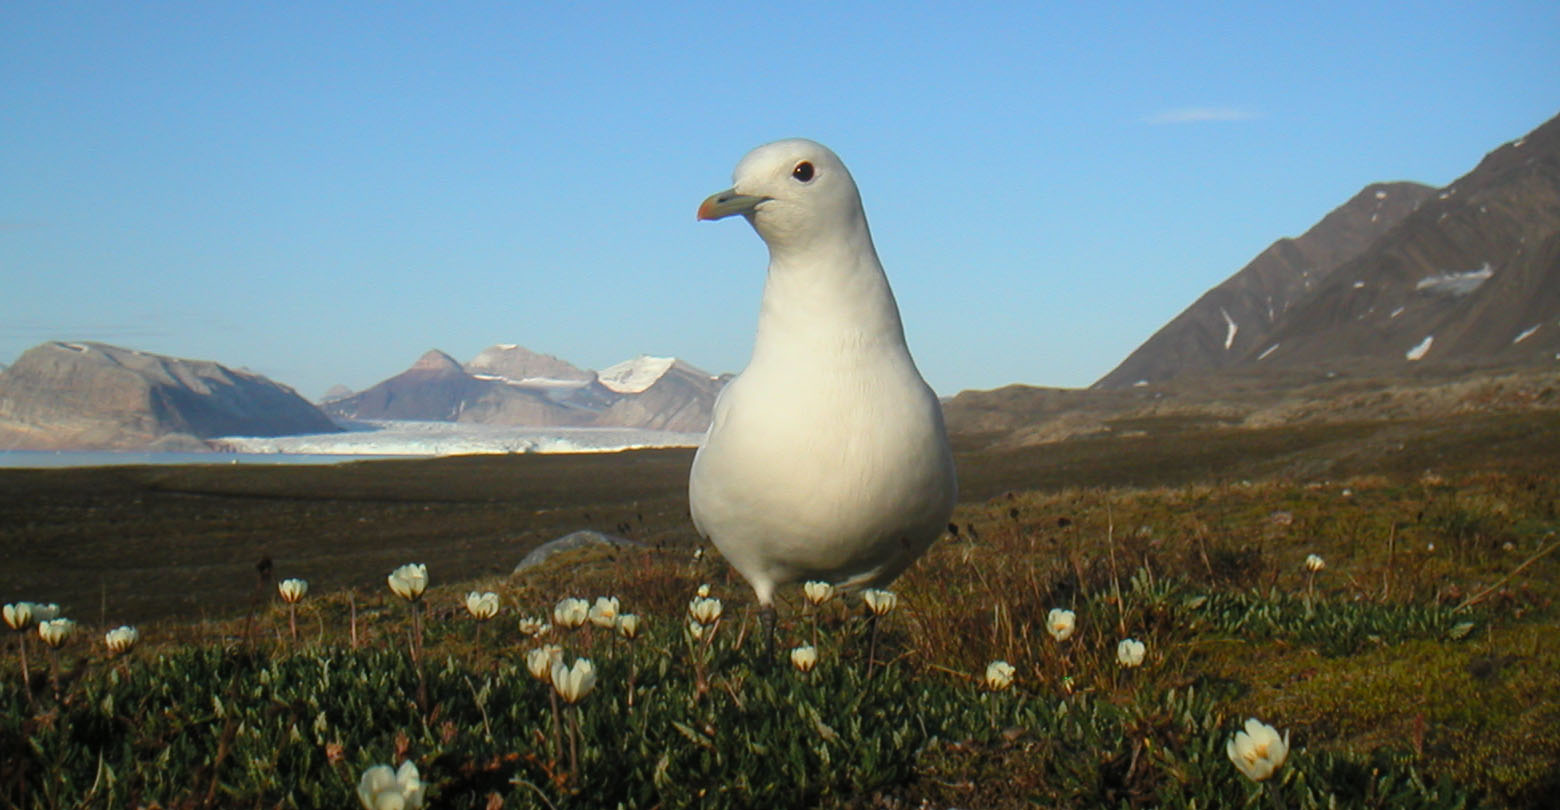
1201,115
104,332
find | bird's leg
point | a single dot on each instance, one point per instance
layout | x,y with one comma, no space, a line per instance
767,619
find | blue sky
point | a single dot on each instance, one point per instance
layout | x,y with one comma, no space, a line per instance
322,192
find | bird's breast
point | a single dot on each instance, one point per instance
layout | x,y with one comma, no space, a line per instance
827,464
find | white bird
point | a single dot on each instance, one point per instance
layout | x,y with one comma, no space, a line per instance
827,458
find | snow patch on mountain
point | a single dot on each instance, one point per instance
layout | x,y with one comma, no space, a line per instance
1420,350
1454,283
634,376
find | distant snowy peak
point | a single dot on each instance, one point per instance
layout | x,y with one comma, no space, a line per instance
636,375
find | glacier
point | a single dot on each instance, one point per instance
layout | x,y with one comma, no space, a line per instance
411,438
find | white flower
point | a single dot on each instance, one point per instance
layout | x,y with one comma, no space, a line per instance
879,601
384,789
534,626
699,631
804,658
574,683
409,582
705,610
22,615
482,605
292,590
19,615
1258,751
121,639
628,626
604,613
704,590
999,675
817,592
55,631
1060,623
540,661
1129,653
570,613
1314,563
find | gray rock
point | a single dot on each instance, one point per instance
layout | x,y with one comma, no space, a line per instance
585,538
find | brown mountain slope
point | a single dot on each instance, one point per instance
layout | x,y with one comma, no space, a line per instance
95,396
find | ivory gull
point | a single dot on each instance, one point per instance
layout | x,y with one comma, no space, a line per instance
827,458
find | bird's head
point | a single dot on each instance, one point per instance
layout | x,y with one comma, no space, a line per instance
794,192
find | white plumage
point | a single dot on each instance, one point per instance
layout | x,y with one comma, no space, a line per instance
827,458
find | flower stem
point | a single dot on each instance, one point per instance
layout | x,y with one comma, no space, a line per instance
54,672
574,743
21,645
700,650
633,672
557,735
1272,791
872,624
416,635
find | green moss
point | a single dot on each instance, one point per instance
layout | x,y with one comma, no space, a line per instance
1483,711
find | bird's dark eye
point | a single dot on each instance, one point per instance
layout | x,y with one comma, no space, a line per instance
803,171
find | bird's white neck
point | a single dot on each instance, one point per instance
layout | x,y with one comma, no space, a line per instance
827,298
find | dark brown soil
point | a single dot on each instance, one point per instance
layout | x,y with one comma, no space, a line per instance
135,544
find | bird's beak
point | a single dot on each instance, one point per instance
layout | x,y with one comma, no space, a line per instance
725,203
